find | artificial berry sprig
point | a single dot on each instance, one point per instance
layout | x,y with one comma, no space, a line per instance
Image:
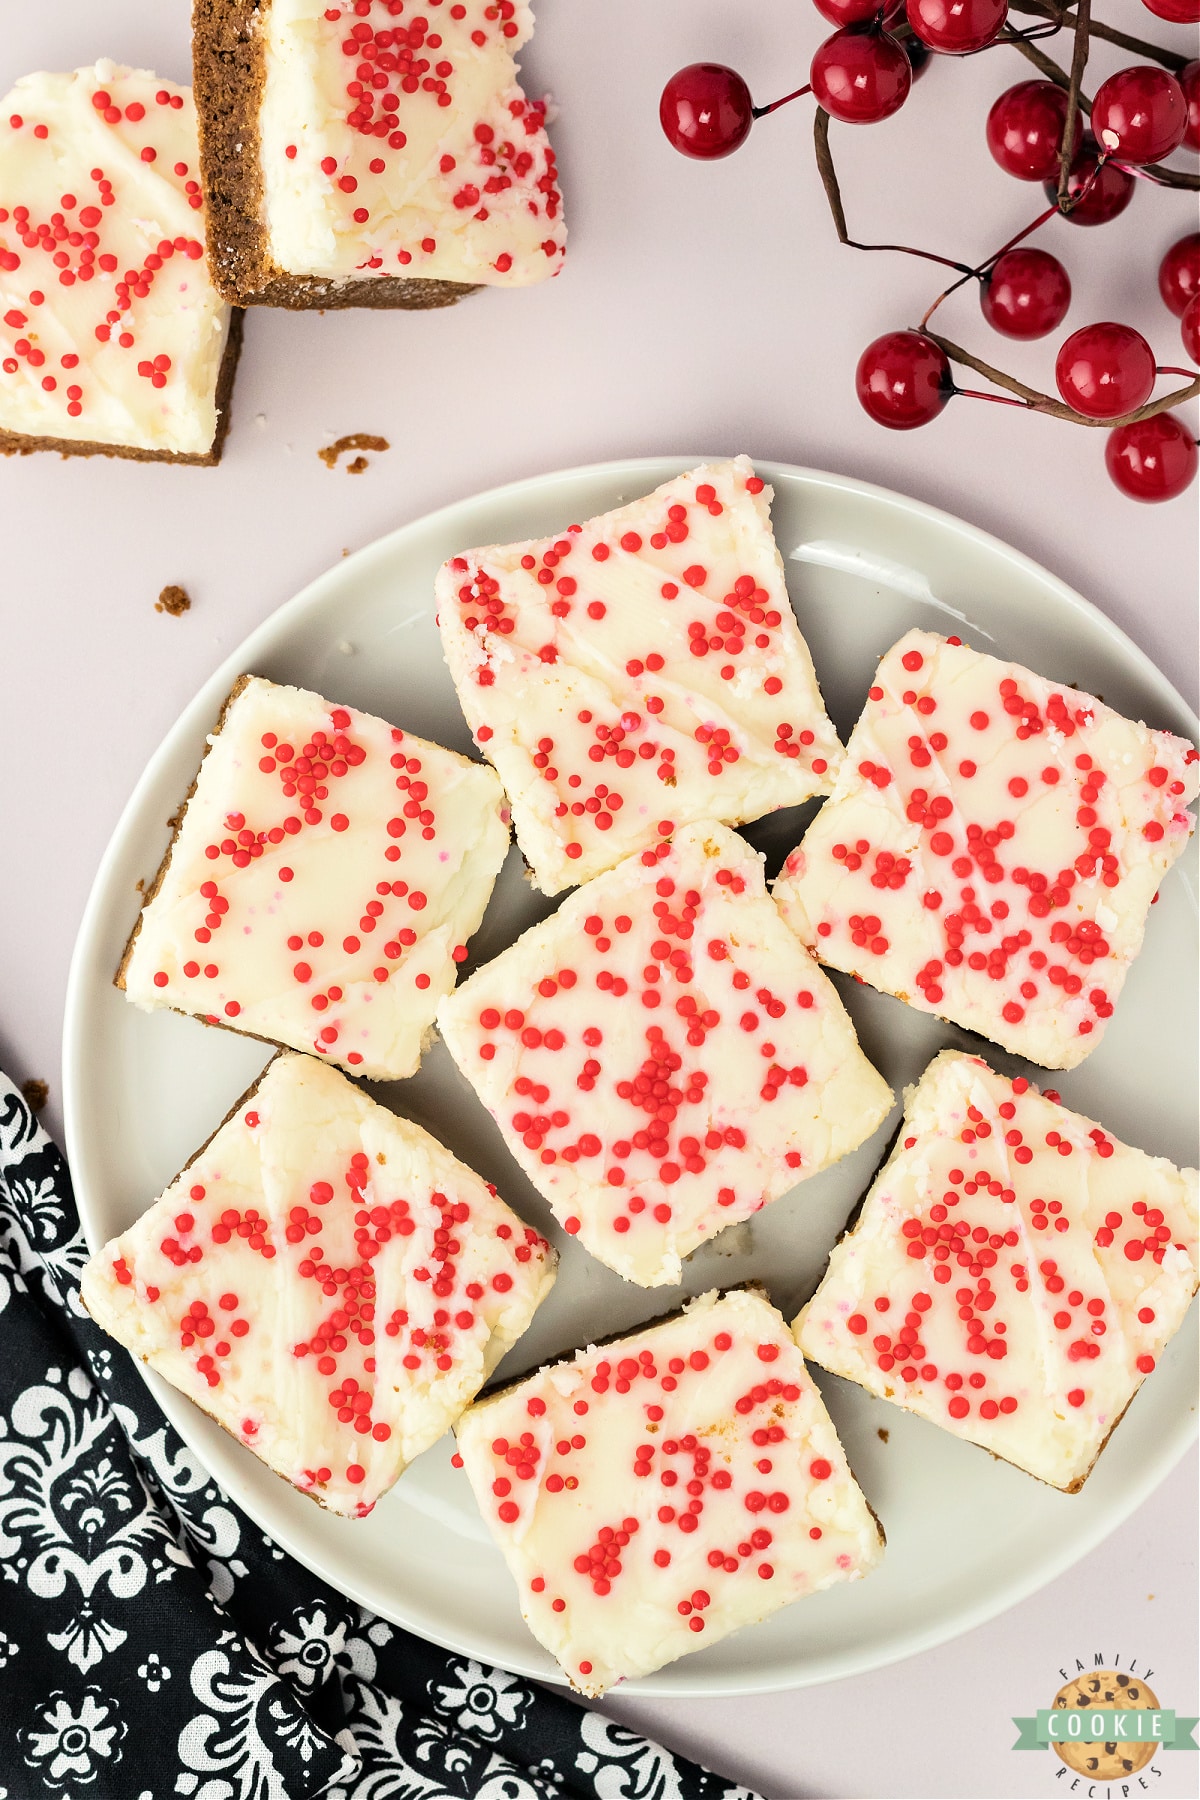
1105,373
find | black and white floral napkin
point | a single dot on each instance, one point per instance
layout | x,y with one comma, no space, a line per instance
155,1644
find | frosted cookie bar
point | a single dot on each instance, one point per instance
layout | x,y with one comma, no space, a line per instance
992,848
322,882
663,1056
372,153
638,673
653,1495
326,1280
113,340
1014,1274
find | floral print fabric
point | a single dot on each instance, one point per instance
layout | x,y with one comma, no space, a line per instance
154,1644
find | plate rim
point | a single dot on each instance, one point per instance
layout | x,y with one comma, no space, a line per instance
262,637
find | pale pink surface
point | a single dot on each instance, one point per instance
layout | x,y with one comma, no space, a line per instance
701,308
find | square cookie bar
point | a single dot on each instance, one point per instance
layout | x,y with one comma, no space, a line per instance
653,1495
663,1056
372,154
637,673
326,1281
1014,1272
992,848
113,340
325,874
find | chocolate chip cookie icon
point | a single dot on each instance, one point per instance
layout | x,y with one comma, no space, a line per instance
1114,1692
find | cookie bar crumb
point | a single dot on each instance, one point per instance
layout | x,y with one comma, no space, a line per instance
354,440
174,600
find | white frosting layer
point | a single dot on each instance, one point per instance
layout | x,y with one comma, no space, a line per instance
110,330
992,848
662,1056
327,1281
1014,1273
399,143
656,1494
326,877
638,672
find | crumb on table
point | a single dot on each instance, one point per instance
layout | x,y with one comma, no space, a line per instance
35,1094
174,600
882,1433
356,440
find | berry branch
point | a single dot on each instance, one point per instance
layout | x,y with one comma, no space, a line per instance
1105,373
1159,173
1045,403
1030,397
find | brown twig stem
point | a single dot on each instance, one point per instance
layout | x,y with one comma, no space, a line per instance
984,266
1160,175
1079,58
833,195
1045,65
1062,15
1045,403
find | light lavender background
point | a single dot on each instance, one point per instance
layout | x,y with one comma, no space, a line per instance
706,307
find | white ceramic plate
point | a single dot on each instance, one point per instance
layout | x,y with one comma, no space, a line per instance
967,1536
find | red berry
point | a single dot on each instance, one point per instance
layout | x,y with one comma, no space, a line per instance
1025,294
1189,81
903,380
1179,273
1175,12
1140,114
706,110
1107,195
860,76
1153,460
956,27
1105,370
1025,128
848,12
1189,329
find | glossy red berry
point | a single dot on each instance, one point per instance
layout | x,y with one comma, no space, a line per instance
860,76
1105,370
1189,329
956,27
903,380
1155,459
1189,81
706,110
1025,294
848,12
1179,273
1175,12
1108,193
1140,114
1025,129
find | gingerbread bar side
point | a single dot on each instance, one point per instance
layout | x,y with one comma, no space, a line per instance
228,79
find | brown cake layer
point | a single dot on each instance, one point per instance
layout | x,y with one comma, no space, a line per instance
18,443
229,77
